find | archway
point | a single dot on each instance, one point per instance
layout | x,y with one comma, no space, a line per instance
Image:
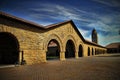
70,49
88,51
92,51
95,51
9,49
53,50
80,53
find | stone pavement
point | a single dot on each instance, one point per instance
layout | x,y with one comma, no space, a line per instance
102,67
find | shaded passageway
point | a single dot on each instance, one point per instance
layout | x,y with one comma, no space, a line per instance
9,49
92,51
88,51
70,49
53,50
80,53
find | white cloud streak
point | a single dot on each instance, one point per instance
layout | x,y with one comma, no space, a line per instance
61,11
111,3
85,33
105,40
100,22
102,26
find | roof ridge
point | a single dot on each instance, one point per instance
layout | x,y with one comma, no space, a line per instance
93,43
113,43
55,24
21,19
48,26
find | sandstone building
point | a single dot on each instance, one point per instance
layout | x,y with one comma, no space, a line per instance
24,41
113,47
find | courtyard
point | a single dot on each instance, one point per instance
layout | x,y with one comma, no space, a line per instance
100,67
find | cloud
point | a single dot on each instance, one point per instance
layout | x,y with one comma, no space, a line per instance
111,3
107,25
100,26
66,12
102,22
105,40
103,15
55,11
86,33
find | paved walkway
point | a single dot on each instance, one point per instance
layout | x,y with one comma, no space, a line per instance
102,67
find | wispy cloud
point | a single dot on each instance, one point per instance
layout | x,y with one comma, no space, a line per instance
86,33
60,12
102,26
111,3
106,24
104,15
105,40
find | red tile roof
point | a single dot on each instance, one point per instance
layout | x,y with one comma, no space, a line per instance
113,45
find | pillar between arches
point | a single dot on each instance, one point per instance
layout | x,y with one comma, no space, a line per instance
62,55
20,57
76,54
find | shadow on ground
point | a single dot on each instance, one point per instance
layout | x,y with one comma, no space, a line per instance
109,55
101,67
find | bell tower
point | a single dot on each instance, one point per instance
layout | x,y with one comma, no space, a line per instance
94,36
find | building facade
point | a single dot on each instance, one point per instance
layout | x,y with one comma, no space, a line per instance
26,42
113,47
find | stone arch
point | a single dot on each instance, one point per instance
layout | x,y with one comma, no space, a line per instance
57,40
9,48
70,49
70,39
88,51
53,37
80,52
53,50
95,51
92,51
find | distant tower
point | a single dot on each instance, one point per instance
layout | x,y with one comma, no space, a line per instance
94,36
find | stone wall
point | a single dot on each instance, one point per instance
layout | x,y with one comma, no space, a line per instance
30,40
33,41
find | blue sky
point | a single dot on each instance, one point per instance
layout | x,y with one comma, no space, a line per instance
103,15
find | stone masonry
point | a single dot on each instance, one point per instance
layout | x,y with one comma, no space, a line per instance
33,38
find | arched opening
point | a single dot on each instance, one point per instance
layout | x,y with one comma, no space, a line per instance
88,51
98,51
9,49
53,50
80,53
92,51
70,49
95,51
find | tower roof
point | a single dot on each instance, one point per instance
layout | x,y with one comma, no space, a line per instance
94,30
